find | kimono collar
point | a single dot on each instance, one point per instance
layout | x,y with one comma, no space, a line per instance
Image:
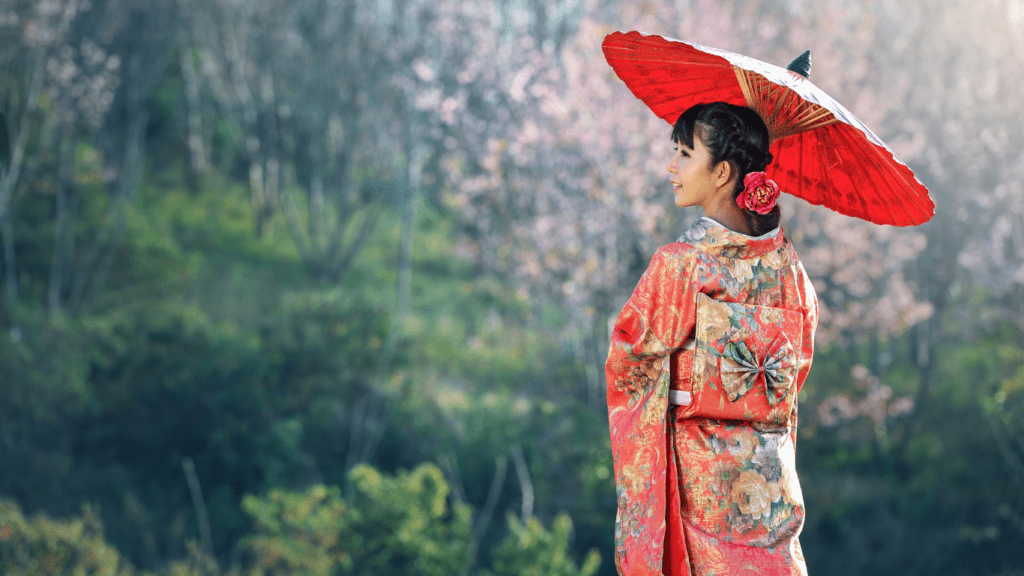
714,238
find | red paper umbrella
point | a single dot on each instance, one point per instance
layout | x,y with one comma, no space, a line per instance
822,153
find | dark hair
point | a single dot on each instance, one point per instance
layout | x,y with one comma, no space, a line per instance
737,135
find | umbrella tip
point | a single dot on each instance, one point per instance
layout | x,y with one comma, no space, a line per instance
802,64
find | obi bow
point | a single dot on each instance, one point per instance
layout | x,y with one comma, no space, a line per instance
741,370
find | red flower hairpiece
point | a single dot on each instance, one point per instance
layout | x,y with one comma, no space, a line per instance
759,193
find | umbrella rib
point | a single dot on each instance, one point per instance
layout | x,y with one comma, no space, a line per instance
757,91
773,102
744,85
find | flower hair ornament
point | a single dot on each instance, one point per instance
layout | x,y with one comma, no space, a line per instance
759,193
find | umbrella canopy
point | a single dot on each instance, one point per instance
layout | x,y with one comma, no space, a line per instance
822,153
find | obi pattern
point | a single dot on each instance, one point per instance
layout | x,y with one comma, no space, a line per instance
744,352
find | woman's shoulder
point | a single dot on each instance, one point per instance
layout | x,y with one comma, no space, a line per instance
678,253
671,264
691,243
678,249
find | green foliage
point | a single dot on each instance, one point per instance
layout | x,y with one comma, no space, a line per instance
531,550
390,525
299,532
198,562
400,524
44,547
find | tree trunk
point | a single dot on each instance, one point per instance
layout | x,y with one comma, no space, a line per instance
198,155
10,266
10,173
97,263
929,338
64,224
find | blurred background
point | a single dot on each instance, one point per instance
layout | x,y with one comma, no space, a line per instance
324,286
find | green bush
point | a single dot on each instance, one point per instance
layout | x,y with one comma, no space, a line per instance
530,550
46,547
401,524
389,525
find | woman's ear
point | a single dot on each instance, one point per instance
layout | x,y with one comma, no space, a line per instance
723,173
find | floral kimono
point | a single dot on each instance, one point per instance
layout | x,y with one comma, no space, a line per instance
706,361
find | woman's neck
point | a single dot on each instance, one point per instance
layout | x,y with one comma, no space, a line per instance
731,217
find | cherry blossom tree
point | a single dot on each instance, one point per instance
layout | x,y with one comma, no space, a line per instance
34,36
352,126
73,62
963,136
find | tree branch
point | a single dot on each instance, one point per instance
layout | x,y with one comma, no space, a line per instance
484,519
202,518
525,484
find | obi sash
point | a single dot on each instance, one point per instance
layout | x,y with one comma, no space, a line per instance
743,364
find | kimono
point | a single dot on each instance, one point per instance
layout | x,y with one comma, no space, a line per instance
706,360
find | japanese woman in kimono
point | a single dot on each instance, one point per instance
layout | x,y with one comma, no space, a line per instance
706,360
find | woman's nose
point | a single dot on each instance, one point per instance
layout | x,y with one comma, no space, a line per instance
672,167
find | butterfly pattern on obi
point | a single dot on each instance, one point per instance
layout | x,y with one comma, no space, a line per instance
741,369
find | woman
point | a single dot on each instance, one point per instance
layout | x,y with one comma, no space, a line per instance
706,360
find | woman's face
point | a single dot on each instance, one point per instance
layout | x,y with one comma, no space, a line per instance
692,176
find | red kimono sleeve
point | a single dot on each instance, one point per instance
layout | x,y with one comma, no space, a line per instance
656,321
810,310
809,304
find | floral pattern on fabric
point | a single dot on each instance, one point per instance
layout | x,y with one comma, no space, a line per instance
711,488
740,483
